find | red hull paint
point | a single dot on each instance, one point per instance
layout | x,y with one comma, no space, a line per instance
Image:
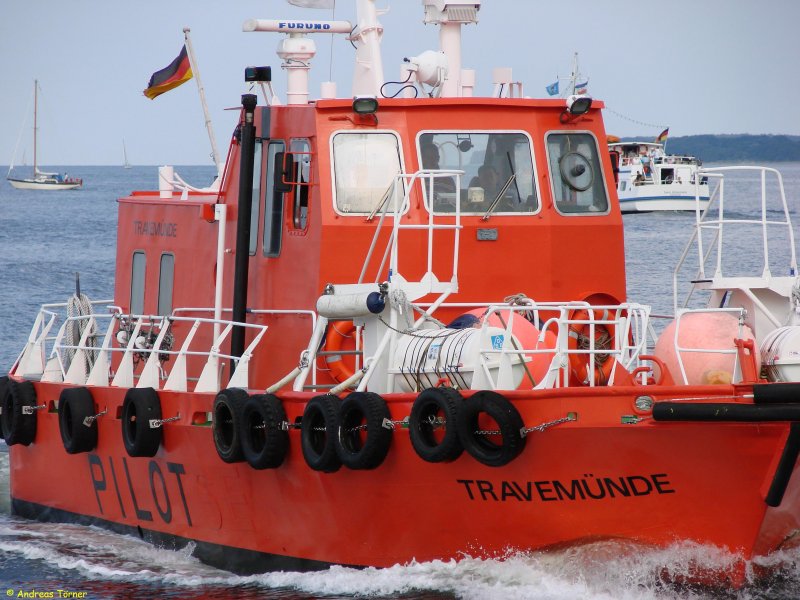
654,483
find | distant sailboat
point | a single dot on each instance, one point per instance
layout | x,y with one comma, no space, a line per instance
40,179
125,163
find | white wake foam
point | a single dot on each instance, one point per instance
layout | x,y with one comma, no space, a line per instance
610,570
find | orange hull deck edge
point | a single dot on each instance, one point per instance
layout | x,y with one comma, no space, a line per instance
397,329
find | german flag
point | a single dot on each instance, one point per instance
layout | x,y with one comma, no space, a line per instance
662,137
179,71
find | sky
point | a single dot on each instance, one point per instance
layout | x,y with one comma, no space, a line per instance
695,66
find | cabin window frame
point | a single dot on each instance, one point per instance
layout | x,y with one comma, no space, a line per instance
273,206
299,221
138,283
552,176
258,195
468,177
161,287
400,155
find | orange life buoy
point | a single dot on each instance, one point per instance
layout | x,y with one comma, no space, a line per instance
338,332
579,340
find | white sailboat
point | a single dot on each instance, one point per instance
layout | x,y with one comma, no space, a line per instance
41,180
125,163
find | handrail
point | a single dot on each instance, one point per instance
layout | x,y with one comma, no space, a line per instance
142,338
721,220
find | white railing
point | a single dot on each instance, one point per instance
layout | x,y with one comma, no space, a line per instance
681,349
714,219
137,339
394,204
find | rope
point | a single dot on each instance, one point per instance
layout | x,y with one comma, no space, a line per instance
78,306
621,116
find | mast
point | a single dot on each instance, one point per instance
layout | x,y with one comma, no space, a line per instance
35,106
574,77
201,92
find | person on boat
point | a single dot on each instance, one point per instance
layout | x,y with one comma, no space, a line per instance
488,179
444,188
639,180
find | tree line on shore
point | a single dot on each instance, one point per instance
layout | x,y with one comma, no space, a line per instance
734,147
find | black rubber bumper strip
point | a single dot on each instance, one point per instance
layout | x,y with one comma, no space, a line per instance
750,413
725,411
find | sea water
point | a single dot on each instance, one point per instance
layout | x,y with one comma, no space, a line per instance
48,237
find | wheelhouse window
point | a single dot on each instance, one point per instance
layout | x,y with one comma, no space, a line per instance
575,173
302,155
166,279
498,171
364,167
138,269
273,202
258,173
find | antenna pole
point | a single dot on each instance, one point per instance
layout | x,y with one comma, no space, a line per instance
35,109
574,73
201,92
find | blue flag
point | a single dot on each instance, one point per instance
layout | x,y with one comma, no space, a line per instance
552,89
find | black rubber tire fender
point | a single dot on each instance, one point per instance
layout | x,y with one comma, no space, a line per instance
508,420
434,410
320,428
363,441
226,423
264,435
141,405
18,427
74,405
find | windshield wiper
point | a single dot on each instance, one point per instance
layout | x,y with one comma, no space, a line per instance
386,196
500,194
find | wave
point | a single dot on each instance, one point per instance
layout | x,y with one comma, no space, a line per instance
603,570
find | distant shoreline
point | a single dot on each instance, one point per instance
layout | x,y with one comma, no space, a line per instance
727,148
733,147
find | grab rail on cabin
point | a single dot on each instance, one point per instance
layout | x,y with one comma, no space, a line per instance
394,206
144,339
715,219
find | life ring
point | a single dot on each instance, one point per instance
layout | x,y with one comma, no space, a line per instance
502,419
18,425
140,407
265,439
336,335
363,440
433,427
74,406
320,427
579,340
226,418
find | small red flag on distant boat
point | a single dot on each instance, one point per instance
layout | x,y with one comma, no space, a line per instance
178,72
662,137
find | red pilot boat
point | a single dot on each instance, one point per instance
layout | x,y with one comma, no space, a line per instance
397,329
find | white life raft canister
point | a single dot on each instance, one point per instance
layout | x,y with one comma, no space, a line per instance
458,355
780,354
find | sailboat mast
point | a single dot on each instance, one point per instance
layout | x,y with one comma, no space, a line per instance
35,125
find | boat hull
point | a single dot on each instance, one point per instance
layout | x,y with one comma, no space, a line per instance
658,197
31,184
595,478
